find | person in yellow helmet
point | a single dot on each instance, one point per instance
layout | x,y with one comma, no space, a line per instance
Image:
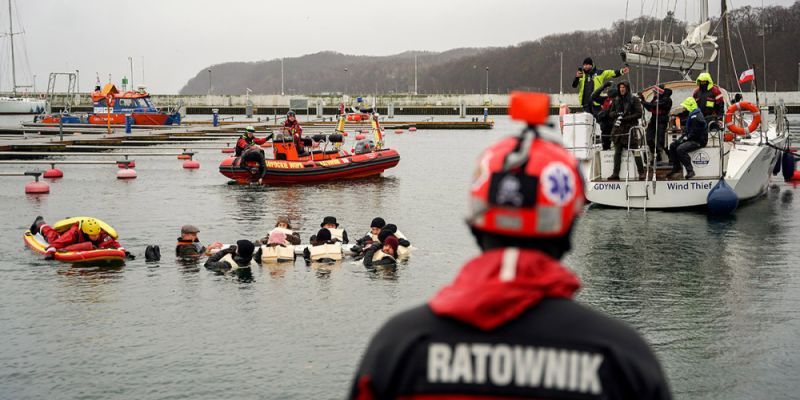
709,97
86,232
590,78
695,136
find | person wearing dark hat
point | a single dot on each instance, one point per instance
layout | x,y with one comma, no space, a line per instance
323,248
374,229
588,79
404,249
384,253
626,110
604,96
507,326
337,233
236,260
284,226
659,107
189,245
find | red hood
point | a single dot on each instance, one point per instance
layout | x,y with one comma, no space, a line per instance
499,285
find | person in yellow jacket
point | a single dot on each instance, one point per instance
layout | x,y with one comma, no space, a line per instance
588,78
710,99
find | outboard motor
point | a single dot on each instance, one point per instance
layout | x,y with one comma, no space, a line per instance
364,146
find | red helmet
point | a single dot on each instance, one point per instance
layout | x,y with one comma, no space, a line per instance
526,186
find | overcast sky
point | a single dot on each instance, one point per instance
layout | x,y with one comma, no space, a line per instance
177,38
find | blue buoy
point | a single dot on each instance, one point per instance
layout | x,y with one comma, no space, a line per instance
788,165
722,200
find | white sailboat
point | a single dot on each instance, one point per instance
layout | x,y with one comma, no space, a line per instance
15,104
744,162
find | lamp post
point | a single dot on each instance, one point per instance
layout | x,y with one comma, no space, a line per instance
34,83
346,86
77,81
561,76
130,61
209,81
487,81
415,75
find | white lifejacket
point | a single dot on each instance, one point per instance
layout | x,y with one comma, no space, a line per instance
234,266
380,255
337,233
277,253
402,251
372,236
331,251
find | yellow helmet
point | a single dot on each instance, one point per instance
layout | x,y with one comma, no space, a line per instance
90,226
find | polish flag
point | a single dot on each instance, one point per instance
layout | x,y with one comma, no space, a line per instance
746,76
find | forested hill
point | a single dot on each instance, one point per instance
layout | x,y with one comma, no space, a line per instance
530,65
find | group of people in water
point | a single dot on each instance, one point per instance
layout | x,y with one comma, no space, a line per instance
618,110
381,245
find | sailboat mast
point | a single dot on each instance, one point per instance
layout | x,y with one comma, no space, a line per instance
13,63
727,70
703,19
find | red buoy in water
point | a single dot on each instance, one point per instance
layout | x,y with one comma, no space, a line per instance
53,173
227,150
191,164
184,157
412,129
398,131
126,174
344,134
360,136
37,187
131,164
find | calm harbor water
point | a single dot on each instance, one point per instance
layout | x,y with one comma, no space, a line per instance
718,300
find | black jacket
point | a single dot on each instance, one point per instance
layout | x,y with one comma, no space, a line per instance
418,353
660,106
186,249
696,128
369,253
214,264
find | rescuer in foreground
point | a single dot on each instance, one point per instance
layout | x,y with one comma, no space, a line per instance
507,326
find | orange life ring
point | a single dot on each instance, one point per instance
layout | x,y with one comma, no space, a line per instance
743,106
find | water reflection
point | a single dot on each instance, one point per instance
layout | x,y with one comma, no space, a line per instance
277,270
89,284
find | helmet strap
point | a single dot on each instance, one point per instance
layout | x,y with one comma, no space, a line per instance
521,154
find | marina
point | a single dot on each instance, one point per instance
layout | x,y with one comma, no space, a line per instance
425,217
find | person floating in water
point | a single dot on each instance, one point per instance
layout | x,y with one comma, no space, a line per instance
189,245
235,260
337,233
374,229
378,253
284,226
323,248
85,234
